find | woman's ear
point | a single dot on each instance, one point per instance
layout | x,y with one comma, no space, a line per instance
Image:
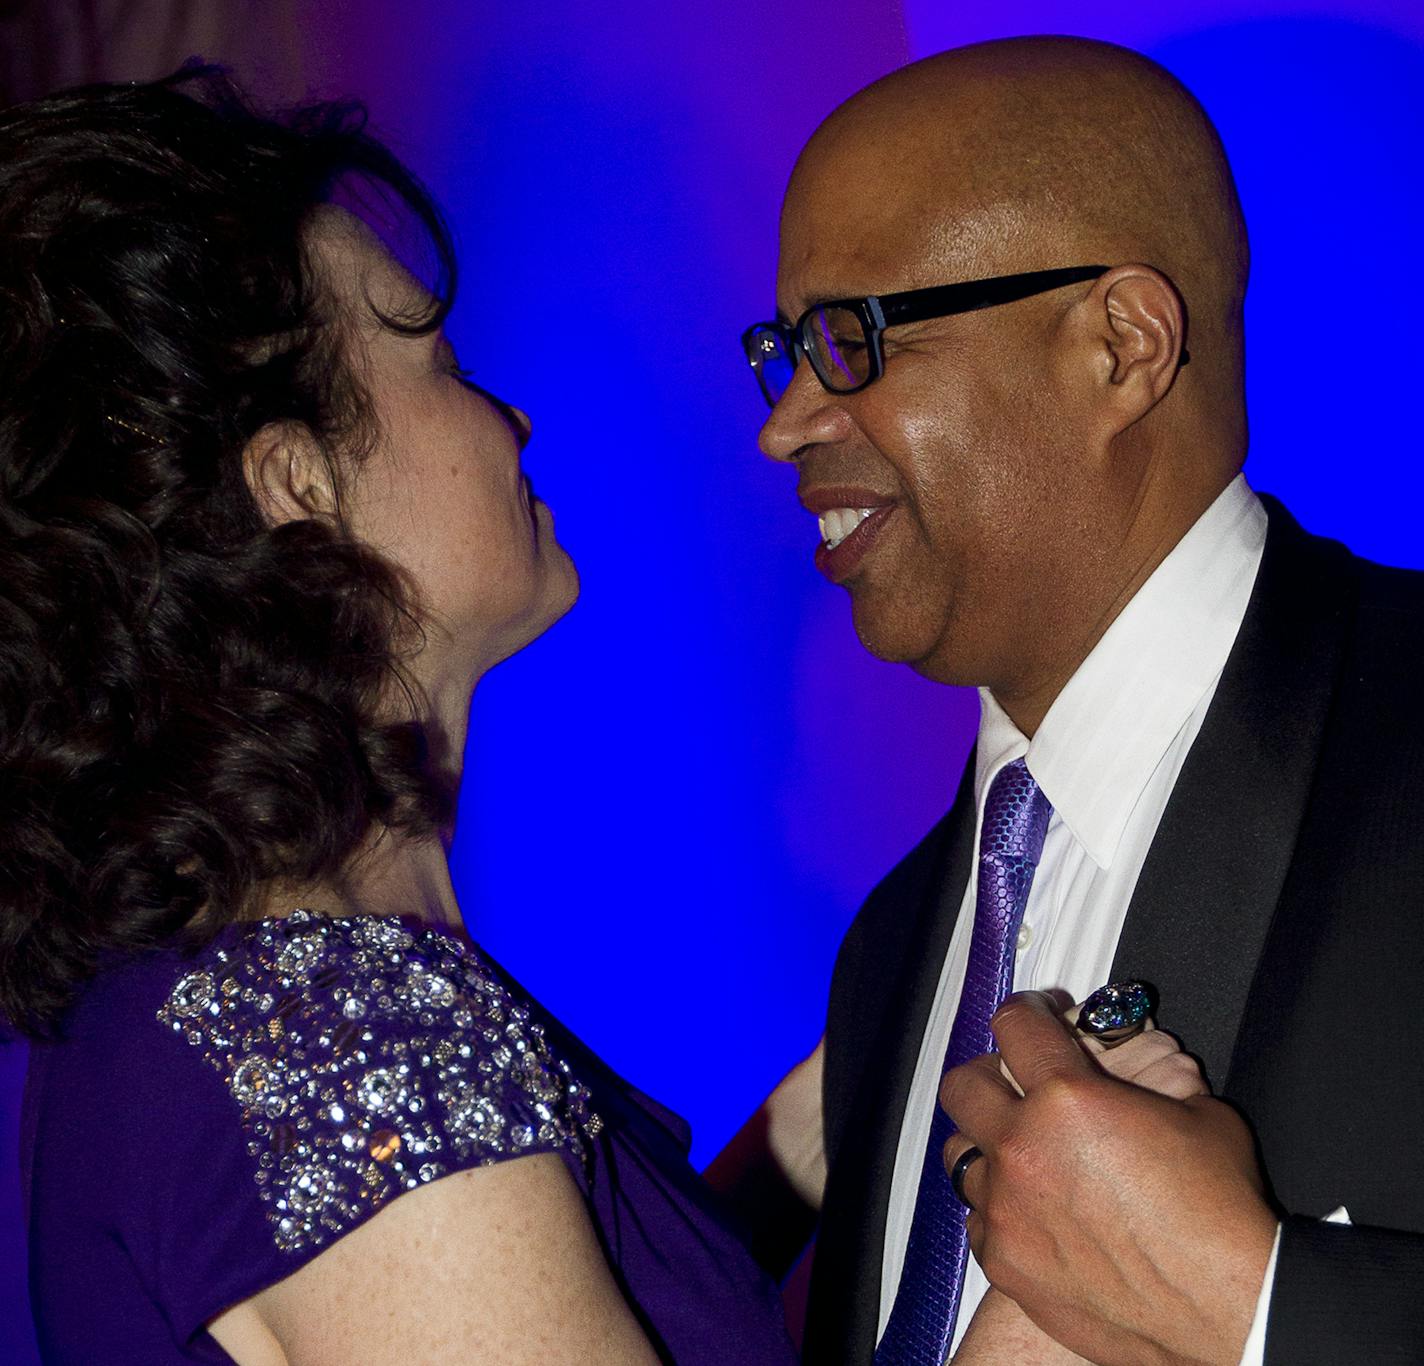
289,475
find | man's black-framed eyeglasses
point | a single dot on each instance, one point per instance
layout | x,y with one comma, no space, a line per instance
842,337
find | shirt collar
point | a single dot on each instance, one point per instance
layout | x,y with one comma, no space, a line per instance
1116,718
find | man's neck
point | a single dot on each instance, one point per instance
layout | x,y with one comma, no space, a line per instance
1027,701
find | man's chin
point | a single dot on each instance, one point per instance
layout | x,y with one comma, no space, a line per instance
900,639
896,642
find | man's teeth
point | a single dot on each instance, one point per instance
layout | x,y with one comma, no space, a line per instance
838,523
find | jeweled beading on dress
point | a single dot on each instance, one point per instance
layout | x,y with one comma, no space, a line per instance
341,1041
922,1319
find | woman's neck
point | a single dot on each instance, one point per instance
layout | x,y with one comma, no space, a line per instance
391,874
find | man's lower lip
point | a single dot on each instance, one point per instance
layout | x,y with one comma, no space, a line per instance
839,564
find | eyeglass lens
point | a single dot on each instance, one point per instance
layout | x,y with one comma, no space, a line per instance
773,363
840,352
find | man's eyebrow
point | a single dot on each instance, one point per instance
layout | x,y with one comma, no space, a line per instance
815,301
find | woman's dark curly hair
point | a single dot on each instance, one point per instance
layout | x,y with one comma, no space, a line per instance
192,703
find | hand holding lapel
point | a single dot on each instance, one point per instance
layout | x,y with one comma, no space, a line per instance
1129,1226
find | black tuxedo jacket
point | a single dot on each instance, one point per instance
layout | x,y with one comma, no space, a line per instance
1280,914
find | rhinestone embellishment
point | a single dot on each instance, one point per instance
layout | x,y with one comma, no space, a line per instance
368,1058
1119,1005
193,994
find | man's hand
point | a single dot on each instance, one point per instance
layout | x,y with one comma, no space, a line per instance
1129,1226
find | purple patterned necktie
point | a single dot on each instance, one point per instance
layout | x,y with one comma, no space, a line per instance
921,1325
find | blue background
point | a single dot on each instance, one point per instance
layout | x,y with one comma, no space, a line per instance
675,801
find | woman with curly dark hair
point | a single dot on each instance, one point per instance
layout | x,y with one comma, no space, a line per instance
259,539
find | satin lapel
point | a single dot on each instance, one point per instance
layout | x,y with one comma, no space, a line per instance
845,1303
1209,887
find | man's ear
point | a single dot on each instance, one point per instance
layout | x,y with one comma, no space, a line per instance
1144,328
289,475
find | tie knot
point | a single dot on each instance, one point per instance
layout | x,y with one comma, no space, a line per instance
1015,816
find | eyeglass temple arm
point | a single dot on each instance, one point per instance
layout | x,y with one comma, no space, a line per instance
938,301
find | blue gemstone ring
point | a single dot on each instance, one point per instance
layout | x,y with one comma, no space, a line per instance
962,1163
1114,1013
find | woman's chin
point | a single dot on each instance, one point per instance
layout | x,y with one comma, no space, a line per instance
563,584
560,591
560,607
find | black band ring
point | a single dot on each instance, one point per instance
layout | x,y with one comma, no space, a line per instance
962,1164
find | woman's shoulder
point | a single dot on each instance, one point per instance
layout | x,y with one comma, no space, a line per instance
337,1062
367,1056
264,1096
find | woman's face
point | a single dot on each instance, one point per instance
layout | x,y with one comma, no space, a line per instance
442,494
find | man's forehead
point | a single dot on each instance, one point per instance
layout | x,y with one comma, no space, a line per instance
904,240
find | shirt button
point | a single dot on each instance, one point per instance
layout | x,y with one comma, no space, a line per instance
1025,936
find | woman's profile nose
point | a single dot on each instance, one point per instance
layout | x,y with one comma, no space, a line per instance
522,423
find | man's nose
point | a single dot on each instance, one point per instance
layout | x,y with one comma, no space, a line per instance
805,415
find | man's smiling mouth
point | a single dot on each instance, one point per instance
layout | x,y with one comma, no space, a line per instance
838,523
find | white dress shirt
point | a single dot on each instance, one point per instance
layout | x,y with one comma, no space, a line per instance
1107,756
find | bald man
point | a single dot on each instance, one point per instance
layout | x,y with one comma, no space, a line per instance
1030,482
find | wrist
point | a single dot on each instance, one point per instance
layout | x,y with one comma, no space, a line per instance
1243,1259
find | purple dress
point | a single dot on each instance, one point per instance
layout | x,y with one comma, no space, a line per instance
209,1123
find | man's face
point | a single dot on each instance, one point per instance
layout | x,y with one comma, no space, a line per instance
965,447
